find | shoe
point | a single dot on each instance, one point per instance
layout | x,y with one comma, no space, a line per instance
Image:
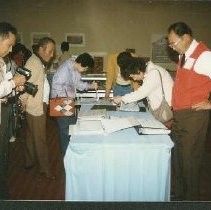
12,139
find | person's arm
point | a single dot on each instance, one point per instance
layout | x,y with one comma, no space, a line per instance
6,88
110,74
7,85
59,83
202,105
203,66
150,83
80,85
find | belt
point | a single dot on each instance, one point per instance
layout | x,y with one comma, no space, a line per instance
123,85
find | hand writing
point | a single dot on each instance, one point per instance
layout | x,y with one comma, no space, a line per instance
94,85
117,99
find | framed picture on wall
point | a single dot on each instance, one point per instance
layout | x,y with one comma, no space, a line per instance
100,60
19,37
36,36
160,49
75,39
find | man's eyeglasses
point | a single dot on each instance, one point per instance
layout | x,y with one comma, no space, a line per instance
173,45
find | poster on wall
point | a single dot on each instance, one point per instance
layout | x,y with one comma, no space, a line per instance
36,36
160,51
75,39
99,59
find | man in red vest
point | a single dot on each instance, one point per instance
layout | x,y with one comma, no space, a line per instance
191,105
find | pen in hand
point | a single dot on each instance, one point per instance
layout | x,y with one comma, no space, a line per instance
97,95
96,89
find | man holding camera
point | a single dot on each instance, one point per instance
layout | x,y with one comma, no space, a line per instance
36,107
7,84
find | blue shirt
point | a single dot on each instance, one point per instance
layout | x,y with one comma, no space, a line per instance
66,80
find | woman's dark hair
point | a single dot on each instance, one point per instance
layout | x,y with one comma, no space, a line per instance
180,28
65,46
123,59
85,60
136,65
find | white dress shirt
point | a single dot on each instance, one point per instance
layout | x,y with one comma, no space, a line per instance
6,84
203,63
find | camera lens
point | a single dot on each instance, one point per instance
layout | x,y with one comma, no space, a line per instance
31,88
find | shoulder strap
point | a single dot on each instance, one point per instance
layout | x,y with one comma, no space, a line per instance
161,83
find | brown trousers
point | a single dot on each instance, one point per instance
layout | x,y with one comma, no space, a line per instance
189,135
36,150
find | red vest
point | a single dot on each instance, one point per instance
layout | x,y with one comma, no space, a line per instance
190,87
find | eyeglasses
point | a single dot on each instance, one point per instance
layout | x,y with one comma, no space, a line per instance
173,45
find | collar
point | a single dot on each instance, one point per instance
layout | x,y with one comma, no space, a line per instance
191,48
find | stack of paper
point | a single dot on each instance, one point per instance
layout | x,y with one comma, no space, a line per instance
130,107
92,114
86,127
116,124
101,126
151,126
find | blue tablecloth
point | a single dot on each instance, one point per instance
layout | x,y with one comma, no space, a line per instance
121,166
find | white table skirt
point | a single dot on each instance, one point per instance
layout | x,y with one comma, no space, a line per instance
121,166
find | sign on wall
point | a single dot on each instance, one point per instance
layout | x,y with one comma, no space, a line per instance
36,36
75,39
160,52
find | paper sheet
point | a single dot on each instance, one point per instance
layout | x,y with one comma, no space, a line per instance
116,124
86,127
152,126
92,114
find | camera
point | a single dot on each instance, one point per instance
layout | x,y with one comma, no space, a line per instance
29,87
24,71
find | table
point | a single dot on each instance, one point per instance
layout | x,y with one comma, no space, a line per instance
122,166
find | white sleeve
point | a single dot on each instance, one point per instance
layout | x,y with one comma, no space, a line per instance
150,83
6,88
203,64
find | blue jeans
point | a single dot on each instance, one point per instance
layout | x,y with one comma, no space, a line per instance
121,90
64,137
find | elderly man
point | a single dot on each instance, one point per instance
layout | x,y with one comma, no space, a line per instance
190,102
36,151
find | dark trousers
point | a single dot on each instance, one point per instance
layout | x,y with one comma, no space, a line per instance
63,125
4,144
36,150
189,135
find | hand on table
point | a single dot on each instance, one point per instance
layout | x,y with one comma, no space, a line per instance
117,99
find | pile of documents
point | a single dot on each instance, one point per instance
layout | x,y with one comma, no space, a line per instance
92,122
151,126
101,126
92,114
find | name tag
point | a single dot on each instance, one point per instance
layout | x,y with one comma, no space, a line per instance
189,63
